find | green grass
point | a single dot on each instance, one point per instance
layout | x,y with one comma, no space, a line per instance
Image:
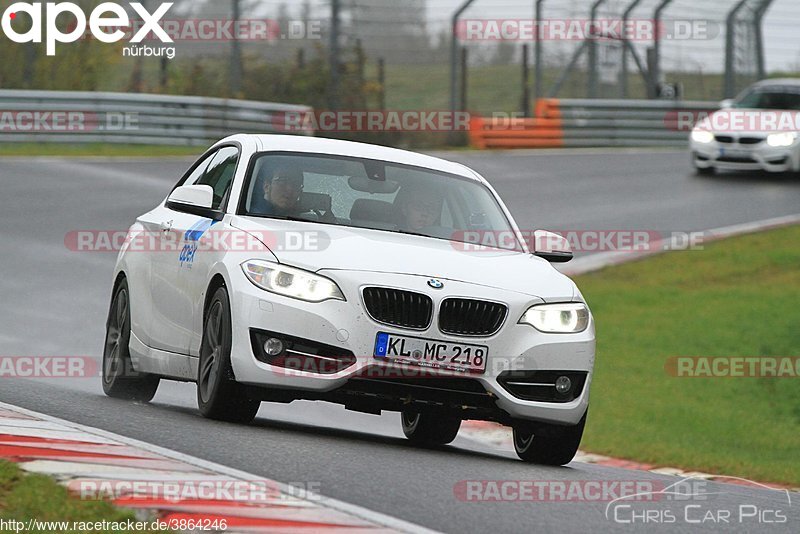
738,297
26,496
95,149
497,88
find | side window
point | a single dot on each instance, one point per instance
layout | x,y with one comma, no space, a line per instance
198,171
219,173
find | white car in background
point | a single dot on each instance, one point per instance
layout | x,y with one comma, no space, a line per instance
739,138
340,273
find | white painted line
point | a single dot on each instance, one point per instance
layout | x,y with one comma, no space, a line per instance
27,423
565,151
595,262
94,470
334,504
54,434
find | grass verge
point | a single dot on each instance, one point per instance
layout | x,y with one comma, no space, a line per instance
96,149
737,297
27,496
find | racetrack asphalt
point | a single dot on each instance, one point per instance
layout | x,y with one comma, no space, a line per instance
55,301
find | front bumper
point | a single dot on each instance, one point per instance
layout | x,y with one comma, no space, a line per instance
348,326
738,157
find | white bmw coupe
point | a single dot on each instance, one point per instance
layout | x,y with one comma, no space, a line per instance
286,268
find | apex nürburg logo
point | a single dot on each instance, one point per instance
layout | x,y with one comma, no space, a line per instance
104,23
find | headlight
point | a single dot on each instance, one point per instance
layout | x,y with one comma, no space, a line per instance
702,136
781,139
564,318
291,282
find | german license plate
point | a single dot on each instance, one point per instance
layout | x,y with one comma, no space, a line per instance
733,153
438,354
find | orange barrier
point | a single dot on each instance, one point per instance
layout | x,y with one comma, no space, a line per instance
545,130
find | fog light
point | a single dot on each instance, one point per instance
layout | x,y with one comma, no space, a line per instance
273,346
563,384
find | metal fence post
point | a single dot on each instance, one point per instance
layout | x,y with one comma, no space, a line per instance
655,65
526,93
730,42
236,54
462,102
623,76
454,61
593,48
758,19
382,83
333,88
537,82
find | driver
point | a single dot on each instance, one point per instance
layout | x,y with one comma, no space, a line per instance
281,194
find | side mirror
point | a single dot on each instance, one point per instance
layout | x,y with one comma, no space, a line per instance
726,104
199,196
194,199
551,246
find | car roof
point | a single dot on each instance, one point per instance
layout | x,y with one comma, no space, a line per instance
321,145
778,81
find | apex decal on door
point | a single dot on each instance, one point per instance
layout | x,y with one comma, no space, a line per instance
190,239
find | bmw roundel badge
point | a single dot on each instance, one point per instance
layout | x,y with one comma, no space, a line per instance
435,283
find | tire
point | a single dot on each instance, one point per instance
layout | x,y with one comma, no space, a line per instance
548,444
219,396
707,171
430,429
120,380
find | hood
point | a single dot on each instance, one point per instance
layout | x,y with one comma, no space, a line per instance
359,249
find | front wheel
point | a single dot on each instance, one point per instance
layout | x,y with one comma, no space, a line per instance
705,171
548,444
219,396
120,379
430,429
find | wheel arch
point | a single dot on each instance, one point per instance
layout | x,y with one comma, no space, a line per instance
120,276
217,281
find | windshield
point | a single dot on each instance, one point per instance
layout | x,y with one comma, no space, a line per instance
373,194
772,97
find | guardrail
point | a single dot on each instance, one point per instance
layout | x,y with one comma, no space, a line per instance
592,123
93,117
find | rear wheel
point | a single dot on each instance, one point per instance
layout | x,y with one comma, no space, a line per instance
219,396
548,444
430,429
120,380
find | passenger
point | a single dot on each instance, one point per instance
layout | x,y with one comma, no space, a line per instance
420,208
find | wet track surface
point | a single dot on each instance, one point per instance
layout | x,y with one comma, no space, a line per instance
54,302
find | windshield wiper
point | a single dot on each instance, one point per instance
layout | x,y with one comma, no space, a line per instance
293,218
409,232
